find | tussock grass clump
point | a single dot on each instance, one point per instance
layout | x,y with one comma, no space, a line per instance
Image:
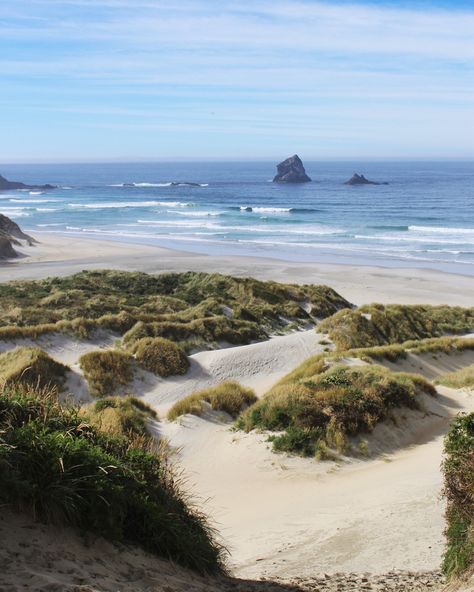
463,378
106,371
121,416
458,468
181,307
378,324
160,356
320,412
229,396
31,365
61,469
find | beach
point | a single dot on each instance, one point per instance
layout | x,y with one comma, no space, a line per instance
283,516
59,255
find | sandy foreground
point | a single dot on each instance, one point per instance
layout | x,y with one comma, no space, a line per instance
59,255
286,517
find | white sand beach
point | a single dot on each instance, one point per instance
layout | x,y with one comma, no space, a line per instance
280,516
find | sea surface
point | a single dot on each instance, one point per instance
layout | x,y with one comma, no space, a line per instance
424,217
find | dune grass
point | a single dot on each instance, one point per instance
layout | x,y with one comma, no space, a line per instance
463,378
319,413
107,371
458,469
228,396
121,416
186,307
160,356
55,465
31,365
378,324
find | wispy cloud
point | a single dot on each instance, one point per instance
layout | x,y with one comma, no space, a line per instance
259,66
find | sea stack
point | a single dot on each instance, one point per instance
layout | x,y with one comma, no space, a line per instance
6,185
291,170
361,180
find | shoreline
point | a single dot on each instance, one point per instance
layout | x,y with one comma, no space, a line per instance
63,254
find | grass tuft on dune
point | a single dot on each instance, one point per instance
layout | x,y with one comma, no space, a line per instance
379,324
121,416
228,396
193,309
58,467
463,378
316,414
160,356
31,366
458,468
107,371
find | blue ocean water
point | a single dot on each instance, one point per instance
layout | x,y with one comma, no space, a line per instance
424,217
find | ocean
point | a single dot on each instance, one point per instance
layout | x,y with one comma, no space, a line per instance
424,217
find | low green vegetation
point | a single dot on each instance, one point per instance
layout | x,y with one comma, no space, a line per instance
463,378
229,396
121,416
31,366
378,324
106,371
458,467
160,356
193,309
57,466
316,414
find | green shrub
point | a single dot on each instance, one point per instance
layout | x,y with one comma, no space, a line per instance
160,356
378,324
106,371
193,308
331,406
61,469
458,468
228,396
31,365
121,416
463,378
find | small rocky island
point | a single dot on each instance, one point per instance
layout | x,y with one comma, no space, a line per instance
361,180
11,234
291,170
6,185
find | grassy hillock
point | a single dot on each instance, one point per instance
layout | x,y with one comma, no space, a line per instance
106,371
121,416
458,467
31,365
57,466
192,308
229,396
378,324
463,378
318,413
160,356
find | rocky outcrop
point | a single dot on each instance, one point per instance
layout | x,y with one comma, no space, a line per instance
11,234
6,185
291,170
361,180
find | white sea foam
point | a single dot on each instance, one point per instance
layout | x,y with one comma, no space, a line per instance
36,193
441,229
52,224
130,204
169,184
30,201
262,209
194,214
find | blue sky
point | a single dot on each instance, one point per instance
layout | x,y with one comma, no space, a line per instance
138,79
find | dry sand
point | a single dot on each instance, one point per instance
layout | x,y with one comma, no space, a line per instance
281,516
59,255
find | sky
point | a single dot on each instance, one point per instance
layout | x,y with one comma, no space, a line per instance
102,80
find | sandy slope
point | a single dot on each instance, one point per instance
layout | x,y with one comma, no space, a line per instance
59,255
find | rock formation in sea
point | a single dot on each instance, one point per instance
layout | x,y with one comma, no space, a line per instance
11,234
357,179
291,170
6,185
